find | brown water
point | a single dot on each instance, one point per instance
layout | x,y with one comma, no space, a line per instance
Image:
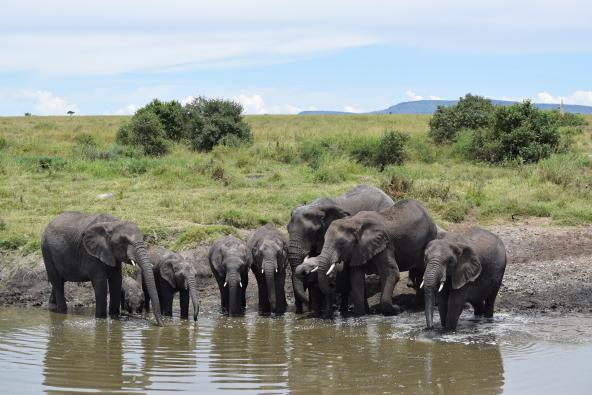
42,351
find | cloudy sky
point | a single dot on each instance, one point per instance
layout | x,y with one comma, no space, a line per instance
275,56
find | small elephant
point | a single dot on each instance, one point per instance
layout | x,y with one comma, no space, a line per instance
132,296
174,274
383,243
465,267
91,247
308,224
230,261
269,249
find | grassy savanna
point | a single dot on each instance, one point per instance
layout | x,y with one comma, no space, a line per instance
186,197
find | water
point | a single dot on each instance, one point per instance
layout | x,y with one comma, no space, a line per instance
42,351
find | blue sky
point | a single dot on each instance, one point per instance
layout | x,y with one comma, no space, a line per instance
110,57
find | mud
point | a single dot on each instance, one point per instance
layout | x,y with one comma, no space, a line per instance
549,271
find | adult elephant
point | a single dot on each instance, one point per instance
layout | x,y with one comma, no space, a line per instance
91,247
269,249
383,243
230,261
463,267
309,223
173,274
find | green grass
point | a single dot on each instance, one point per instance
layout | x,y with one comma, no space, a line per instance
186,197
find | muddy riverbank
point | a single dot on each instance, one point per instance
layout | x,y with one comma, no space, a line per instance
549,270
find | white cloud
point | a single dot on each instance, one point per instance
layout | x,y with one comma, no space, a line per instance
127,110
434,97
352,109
46,103
255,104
580,97
413,96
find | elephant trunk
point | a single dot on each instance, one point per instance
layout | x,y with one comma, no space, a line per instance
269,268
193,293
431,278
234,294
326,260
142,259
296,254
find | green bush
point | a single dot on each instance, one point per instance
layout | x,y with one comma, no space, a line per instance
171,115
471,112
123,135
214,121
518,132
387,150
145,130
3,143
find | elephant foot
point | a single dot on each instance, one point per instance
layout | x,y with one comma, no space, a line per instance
390,309
52,307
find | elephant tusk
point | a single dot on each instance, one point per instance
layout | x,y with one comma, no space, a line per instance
441,286
133,263
331,269
240,283
225,284
305,259
421,285
276,269
262,271
315,269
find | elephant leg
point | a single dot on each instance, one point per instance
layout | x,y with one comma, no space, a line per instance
389,276
57,299
264,306
297,301
122,300
146,299
316,301
357,289
344,302
184,303
52,305
490,302
223,298
478,308
115,293
100,286
456,302
443,307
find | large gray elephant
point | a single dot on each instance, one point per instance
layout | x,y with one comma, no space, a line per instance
230,261
269,249
463,267
309,223
382,243
173,274
91,247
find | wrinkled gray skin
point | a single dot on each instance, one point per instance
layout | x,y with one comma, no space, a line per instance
230,261
132,296
309,223
470,267
382,243
91,247
174,274
269,249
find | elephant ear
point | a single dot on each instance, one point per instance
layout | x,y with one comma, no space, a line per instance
331,213
468,267
96,241
371,241
168,273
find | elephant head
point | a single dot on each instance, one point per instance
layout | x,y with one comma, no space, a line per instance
447,261
180,275
117,242
307,228
355,241
269,258
230,261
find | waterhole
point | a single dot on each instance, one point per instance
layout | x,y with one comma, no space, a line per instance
47,352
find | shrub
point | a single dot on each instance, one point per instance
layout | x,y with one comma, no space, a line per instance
213,121
569,119
171,115
123,135
3,143
146,130
387,150
471,112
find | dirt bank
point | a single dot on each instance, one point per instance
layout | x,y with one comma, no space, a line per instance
549,269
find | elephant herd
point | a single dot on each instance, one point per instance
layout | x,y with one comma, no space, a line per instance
340,251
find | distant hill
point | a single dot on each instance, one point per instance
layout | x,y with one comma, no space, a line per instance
429,106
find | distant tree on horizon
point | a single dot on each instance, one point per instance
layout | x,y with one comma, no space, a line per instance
70,113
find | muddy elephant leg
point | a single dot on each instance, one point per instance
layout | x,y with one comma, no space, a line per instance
490,302
357,290
100,287
115,293
456,302
184,303
478,308
389,276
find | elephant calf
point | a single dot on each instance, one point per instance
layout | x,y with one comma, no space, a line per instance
132,296
230,261
269,249
463,267
174,274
